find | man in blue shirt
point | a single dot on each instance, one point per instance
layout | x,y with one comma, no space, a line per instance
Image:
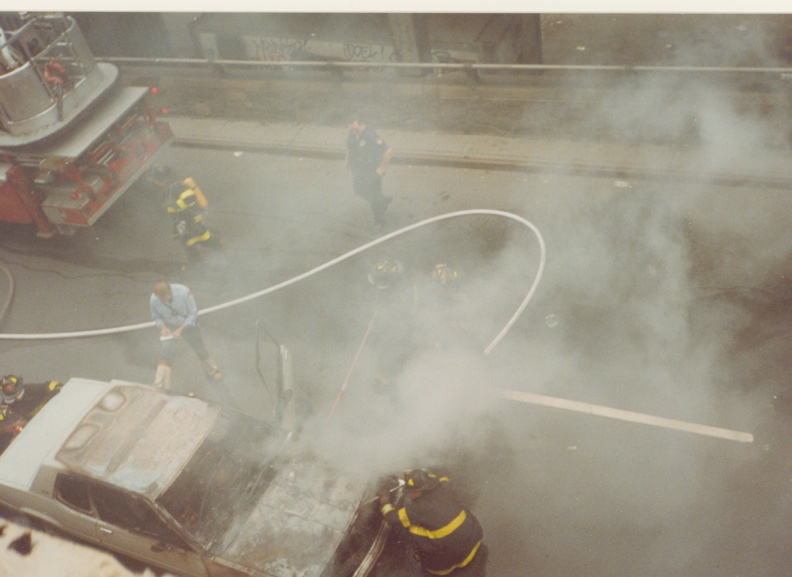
174,311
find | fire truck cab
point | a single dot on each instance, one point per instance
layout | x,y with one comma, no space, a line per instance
71,140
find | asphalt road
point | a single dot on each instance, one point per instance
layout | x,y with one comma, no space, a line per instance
667,300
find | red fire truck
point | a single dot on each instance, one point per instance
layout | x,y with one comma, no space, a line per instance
72,140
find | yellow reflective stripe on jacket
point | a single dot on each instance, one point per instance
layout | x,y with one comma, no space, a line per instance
201,238
403,518
464,563
437,533
182,202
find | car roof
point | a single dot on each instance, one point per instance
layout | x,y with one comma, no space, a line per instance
129,435
138,438
21,461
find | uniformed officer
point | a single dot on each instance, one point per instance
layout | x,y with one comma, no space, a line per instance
446,312
447,538
367,158
394,332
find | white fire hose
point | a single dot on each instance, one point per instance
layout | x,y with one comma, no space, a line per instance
326,265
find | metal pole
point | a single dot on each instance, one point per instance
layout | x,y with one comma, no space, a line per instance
444,66
354,362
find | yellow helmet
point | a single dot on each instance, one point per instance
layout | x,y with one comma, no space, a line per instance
11,388
444,275
385,273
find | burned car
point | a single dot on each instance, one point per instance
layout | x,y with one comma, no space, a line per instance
188,486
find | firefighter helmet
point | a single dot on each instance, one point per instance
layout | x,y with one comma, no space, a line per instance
420,480
445,275
11,388
385,273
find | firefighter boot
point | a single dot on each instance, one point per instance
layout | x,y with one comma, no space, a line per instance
162,376
210,369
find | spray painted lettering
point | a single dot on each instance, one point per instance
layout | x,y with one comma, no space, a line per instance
273,49
367,52
277,49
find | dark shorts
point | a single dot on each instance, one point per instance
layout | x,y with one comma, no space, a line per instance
190,335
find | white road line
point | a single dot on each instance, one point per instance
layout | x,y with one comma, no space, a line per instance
631,416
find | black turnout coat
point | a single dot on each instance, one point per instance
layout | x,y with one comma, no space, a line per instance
446,535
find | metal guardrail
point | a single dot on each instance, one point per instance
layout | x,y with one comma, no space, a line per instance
506,162
339,65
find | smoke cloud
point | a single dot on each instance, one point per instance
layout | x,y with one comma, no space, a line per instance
652,289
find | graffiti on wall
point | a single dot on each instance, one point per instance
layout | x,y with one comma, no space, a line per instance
281,49
270,49
275,49
369,53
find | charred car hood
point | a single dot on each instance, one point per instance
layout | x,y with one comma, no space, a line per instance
298,523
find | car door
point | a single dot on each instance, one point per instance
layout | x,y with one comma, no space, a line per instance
73,511
129,524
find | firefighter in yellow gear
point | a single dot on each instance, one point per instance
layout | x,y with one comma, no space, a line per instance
19,403
394,331
186,205
446,537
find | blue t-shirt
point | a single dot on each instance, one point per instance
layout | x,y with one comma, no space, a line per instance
179,310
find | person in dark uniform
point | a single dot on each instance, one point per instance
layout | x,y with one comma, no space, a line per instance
446,313
186,206
393,333
446,537
19,403
367,158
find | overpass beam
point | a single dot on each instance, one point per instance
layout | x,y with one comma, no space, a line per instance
410,34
